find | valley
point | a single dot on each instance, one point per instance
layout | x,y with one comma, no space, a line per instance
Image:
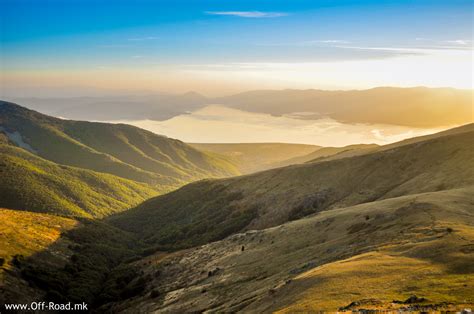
247,157
214,209
376,251
129,221
254,157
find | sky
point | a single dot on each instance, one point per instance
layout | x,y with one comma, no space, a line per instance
219,47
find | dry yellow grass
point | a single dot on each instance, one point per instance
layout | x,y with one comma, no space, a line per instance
27,233
386,250
378,276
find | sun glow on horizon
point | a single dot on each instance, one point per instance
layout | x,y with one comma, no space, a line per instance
274,45
431,68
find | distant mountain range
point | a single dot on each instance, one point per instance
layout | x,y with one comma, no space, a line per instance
415,107
383,105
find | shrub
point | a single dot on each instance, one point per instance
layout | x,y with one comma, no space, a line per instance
154,293
18,260
134,288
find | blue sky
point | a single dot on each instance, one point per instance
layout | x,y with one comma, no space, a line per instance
180,38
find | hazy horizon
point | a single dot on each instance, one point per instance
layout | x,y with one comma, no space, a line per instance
316,117
85,47
81,91
273,68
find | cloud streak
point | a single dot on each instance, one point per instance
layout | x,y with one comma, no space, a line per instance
332,41
462,42
456,43
248,14
409,50
143,38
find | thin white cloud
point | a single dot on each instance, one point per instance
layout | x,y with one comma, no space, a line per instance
333,41
248,14
462,42
390,51
397,49
114,46
409,50
319,42
442,43
143,38
308,43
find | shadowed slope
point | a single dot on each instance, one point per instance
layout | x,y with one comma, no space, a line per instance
210,210
51,258
369,254
22,235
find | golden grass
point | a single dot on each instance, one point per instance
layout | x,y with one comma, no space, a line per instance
378,276
386,250
27,233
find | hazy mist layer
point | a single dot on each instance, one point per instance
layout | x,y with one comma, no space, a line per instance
218,124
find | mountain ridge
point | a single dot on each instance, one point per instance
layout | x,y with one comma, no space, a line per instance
118,149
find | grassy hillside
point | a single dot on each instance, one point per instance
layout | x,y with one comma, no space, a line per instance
413,140
51,258
369,256
28,233
29,182
330,151
118,149
213,209
253,157
23,235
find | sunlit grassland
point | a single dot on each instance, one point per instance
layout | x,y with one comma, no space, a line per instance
26,233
